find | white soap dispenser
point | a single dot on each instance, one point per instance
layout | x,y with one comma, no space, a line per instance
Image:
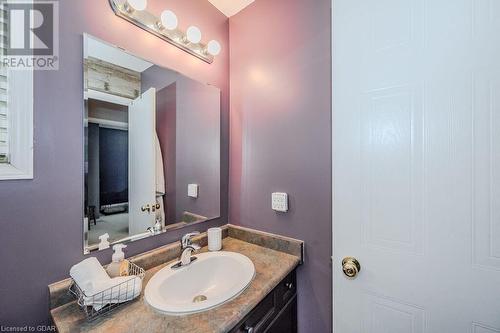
118,266
104,243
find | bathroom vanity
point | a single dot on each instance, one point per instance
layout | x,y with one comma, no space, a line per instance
268,304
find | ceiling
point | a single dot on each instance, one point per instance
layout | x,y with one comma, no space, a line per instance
101,50
230,7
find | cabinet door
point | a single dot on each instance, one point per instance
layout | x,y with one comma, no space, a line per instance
286,321
259,318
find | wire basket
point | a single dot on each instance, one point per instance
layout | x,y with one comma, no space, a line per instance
111,298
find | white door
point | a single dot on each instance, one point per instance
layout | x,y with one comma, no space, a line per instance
416,140
142,158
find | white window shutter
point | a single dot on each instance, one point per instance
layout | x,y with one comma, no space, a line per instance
16,115
4,91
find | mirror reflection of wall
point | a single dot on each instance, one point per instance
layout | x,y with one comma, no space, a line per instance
188,127
152,147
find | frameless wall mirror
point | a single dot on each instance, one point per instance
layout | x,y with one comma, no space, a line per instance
152,147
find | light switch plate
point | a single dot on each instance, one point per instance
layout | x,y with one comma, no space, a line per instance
280,202
193,190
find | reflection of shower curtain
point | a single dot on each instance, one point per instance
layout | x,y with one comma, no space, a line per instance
160,182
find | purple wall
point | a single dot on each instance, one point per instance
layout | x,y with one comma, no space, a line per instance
41,219
280,135
165,128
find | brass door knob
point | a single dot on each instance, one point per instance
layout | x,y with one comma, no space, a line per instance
146,208
150,208
351,267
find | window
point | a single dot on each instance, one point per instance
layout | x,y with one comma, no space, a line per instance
16,116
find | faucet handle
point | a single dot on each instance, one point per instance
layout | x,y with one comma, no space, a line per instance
195,247
186,239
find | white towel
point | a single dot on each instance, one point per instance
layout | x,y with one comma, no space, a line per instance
87,273
99,288
160,181
160,176
112,291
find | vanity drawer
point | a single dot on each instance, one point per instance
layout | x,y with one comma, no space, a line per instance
286,319
286,289
259,318
268,314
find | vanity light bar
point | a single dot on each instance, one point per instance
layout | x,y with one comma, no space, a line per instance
165,27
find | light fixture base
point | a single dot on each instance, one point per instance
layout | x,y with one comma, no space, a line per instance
149,22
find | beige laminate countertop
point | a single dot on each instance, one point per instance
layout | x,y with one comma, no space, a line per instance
270,268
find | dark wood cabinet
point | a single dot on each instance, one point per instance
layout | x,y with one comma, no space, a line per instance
286,320
276,313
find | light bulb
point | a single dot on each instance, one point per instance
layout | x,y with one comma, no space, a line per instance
213,47
193,34
169,20
138,5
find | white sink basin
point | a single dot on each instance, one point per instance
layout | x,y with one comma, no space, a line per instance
212,280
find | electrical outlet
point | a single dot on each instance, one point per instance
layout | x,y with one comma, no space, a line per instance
193,190
280,202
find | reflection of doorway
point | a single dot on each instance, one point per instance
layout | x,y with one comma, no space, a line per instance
107,172
113,169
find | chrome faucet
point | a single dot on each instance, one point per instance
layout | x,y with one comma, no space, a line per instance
187,247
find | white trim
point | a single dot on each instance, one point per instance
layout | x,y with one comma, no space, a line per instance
10,172
101,96
333,165
109,123
20,115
